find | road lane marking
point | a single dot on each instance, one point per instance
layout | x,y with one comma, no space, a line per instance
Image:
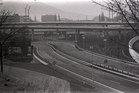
115,90
115,82
84,62
78,63
40,60
81,62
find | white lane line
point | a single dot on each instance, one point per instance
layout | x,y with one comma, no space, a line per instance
66,58
81,62
43,62
72,72
114,82
84,62
115,90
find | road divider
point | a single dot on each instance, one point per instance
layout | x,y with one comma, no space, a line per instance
107,89
37,56
95,82
103,67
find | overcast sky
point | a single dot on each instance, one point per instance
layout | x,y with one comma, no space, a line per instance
53,1
83,7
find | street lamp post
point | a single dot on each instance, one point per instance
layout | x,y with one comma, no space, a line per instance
1,56
70,37
105,47
91,47
83,37
91,66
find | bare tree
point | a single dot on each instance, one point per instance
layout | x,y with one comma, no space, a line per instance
6,34
128,9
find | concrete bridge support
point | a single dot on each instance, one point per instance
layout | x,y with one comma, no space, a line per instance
77,35
66,36
32,34
120,35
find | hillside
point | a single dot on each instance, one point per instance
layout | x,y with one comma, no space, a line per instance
38,9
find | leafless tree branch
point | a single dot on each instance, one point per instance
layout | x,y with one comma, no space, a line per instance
124,8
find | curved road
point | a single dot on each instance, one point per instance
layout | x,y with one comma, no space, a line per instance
103,81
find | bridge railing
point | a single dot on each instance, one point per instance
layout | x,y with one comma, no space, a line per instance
69,23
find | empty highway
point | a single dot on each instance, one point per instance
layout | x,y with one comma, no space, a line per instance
101,80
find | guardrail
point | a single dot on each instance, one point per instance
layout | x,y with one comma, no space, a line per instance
38,57
82,79
109,67
111,58
103,67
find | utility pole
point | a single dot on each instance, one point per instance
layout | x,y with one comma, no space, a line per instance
83,37
26,10
1,3
29,11
1,56
1,45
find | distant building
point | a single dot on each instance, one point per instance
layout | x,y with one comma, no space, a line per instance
101,18
45,18
16,18
25,19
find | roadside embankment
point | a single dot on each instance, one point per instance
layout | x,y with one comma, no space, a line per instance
31,81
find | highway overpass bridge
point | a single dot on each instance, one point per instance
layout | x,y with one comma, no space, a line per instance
71,23
70,26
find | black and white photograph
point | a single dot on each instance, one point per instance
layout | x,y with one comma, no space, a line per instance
69,46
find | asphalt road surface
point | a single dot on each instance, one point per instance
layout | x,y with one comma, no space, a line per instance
103,81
